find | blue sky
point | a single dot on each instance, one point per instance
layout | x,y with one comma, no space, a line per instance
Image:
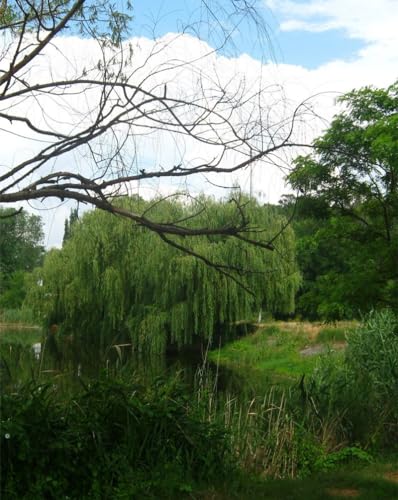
322,48
309,48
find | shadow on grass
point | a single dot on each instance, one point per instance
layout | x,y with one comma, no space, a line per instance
333,485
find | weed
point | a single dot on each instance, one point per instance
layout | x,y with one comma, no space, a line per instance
330,334
23,315
108,435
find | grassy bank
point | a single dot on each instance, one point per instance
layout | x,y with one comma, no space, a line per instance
282,351
23,317
378,481
16,334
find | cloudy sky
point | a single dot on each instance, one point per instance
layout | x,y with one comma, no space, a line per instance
305,33
323,47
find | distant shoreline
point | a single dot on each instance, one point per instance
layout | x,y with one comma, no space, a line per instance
18,326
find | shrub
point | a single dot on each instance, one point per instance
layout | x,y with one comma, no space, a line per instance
361,389
112,438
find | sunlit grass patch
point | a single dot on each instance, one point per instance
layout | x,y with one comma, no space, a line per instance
282,348
273,350
336,333
20,336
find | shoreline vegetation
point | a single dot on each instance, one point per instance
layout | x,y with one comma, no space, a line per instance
17,326
296,432
283,349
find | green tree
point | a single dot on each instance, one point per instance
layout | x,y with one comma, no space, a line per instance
20,252
114,282
349,250
69,223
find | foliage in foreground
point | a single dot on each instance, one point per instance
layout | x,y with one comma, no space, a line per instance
360,391
342,411
111,440
116,282
118,440
127,440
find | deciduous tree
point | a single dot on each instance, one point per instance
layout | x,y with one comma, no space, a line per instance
110,283
352,177
20,252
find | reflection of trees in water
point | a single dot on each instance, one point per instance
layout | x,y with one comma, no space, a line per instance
190,366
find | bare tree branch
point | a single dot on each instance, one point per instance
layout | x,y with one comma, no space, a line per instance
124,97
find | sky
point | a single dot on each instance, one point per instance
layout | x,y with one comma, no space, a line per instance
309,47
300,32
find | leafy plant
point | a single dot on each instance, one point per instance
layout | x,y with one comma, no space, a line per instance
346,214
343,456
361,388
110,438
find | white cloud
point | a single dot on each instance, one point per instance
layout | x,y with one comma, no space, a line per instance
369,20
376,64
298,25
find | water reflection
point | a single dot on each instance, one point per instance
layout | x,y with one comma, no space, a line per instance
24,361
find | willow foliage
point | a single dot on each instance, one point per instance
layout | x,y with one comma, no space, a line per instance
114,281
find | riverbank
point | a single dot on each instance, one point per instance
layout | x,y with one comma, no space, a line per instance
309,422
283,351
17,326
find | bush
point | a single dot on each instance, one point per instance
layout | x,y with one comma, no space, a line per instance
361,389
111,439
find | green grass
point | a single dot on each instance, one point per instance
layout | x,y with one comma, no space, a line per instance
272,351
369,482
24,316
20,336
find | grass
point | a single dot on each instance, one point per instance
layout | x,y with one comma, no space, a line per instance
372,482
17,316
19,336
274,350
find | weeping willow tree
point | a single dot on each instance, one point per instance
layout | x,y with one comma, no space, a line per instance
115,282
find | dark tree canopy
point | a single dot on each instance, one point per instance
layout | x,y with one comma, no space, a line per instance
20,252
348,245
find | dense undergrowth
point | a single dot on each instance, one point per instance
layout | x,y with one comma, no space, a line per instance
342,407
112,439
118,438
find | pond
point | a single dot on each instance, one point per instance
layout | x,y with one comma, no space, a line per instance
26,354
